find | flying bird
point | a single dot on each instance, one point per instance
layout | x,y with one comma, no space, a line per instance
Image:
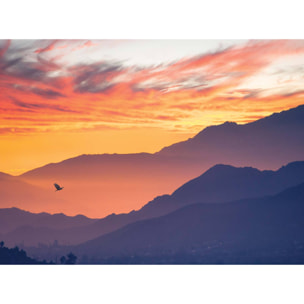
58,187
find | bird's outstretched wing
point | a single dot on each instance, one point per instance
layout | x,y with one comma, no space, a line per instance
57,186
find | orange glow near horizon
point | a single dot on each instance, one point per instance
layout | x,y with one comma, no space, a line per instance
39,150
53,108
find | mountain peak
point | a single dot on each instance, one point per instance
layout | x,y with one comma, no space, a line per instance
223,169
266,143
228,125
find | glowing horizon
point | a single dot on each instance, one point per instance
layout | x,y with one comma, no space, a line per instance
64,98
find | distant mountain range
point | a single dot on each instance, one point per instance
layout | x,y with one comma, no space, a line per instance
98,185
266,230
219,184
12,218
19,227
265,143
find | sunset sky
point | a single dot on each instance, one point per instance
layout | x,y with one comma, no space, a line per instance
63,98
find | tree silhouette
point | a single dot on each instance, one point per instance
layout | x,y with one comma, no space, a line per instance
15,256
71,259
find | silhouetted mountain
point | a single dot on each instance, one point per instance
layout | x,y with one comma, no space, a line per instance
224,182
22,227
119,183
265,143
12,218
261,230
221,183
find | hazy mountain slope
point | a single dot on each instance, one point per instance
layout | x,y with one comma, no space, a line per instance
22,227
221,183
97,185
12,218
270,224
265,143
15,192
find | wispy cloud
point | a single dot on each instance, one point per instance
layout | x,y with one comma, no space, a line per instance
41,106
47,48
47,93
109,91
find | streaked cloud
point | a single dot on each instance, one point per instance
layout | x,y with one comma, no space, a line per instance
47,48
35,78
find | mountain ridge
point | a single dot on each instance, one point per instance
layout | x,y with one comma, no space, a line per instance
219,184
297,112
266,227
114,183
13,218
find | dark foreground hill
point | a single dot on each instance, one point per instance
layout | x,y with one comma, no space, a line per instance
16,256
262,230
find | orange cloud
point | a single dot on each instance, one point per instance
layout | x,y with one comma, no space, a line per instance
112,95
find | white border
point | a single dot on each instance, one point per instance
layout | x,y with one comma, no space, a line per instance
151,19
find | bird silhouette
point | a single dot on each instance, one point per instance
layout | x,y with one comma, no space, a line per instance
58,187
